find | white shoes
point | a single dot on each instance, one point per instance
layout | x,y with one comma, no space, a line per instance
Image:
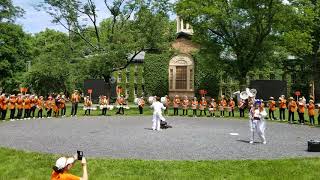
251,142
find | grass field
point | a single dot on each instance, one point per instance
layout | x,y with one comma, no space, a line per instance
28,165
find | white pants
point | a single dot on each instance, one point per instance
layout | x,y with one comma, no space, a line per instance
259,127
157,117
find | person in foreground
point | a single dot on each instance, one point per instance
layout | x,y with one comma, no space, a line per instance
64,164
157,114
257,122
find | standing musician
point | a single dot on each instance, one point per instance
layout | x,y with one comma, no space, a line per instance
222,106
103,101
27,106
3,103
292,107
56,106
12,106
282,107
185,105
49,106
176,104
212,107
167,105
141,103
194,106
272,108
87,105
121,103
33,102
19,104
203,105
75,99
40,105
301,109
62,105
241,106
231,105
311,112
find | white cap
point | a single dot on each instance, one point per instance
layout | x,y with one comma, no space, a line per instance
63,162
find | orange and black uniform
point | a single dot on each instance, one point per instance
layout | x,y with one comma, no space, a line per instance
272,108
202,107
185,105
63,176
121,103
75,98
223,104
194,106
19,106
62,106
141,106
292,107
33,107
232,104
282,108
12,107
176,103
49,106
301,109
40,107
27,107
311,112
3,105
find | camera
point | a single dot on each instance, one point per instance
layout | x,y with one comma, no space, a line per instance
80,155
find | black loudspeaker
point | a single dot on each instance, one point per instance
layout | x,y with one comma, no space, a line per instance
313,146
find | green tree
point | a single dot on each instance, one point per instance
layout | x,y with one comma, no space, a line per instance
9,12
241,27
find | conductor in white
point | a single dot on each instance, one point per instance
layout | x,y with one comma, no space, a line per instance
257,122
157,114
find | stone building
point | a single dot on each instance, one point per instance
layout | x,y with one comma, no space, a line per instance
181,66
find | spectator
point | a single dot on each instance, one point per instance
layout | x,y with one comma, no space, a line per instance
62,167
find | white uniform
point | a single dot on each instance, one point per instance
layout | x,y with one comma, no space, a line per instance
257,123
157,114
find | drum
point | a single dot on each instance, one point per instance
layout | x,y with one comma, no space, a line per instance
103,106
221,108
110,107
229,109
211,109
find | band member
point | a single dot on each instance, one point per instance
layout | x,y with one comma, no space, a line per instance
75,99
12,106
212,107
241,106
185,105
103,101
222,106
56,106
176,104
282,107
141,103
27,106
301,109
167,105
1,101
121,103
272,108
203,105
157,114
292,107
194,106
62,105
4,102
33,102
19,104
40,105
311,111
87,105
231,105
49,106
257,123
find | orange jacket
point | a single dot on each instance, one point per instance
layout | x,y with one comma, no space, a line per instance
168,102
4,103
301,107
223,103
292,106
185,103
27,103
272,105
232,104
75,98
311,110
40,104
176,102
194,104
283,103
12,103
141,103
203,104
62,103
19,103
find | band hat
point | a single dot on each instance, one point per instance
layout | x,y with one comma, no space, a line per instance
311,101
63,162
12,95
271,97
291,98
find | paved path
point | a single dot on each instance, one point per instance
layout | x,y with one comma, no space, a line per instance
131,137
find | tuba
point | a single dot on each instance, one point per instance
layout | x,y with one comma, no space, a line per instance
244,95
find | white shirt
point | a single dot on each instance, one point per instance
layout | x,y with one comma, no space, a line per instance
158,107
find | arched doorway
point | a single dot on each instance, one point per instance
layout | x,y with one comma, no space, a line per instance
181,76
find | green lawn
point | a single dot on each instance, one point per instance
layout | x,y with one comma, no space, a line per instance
28,165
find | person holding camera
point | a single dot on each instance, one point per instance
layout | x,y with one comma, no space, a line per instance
64,164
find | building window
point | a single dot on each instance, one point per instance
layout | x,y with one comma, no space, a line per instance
181,77
191,79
